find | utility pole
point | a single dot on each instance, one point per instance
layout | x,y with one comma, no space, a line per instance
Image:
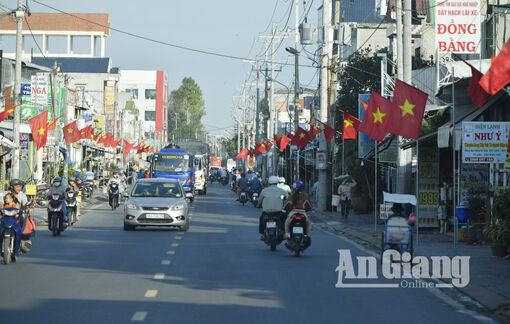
400,48
66,121
257,108
53,81
407,42
20,14
323,145
296,90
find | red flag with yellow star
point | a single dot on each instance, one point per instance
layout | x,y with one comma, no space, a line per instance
243,154
71,132
7,112
39,128
314,131
409,104
351,126
269,145
300,138
377,117
284,141
329,132
86,132
261,147
53,123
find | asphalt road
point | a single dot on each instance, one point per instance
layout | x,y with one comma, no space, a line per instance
218,272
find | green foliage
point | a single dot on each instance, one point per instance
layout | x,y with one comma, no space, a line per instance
185,110
230,146
502,204
498,231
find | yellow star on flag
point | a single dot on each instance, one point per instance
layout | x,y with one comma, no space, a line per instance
407,108
41,131
70,130
378,116
10,110
302,135
348,122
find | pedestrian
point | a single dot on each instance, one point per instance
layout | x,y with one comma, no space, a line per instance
344,190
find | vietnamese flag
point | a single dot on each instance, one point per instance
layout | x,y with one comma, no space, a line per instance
86,132
108,141
269,145
474,90
39,128
329,132
53,123
498,75
127,147
377,117
300,138
261,147
364,104
243,153
409,106
71,132
314,131
7,112
351,126
115,143
284,142
278,139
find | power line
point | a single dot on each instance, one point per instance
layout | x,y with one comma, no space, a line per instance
146,38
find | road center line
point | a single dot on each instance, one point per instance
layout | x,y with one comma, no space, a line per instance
151,293
138,316
170,252
175,244
165,262
159,276
178,237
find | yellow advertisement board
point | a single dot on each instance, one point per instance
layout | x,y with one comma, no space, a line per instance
109,100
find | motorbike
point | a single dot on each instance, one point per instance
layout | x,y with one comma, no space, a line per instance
243,197
224,180
41,198
299,240
113,195
273,235
10,227
255,197
56,214
89,187
212,178
72,207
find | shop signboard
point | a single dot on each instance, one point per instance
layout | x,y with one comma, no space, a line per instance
485,142
428,187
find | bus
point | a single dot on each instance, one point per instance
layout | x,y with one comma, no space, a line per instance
174,163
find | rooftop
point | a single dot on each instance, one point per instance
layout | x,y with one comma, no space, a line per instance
76,65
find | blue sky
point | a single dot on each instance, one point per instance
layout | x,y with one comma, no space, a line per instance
224,26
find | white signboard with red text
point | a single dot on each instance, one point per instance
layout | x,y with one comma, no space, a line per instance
484,142
458,26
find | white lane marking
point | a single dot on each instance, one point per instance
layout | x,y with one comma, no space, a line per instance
151,293
178,237
138,316
165,262
175,244
170,252
159,276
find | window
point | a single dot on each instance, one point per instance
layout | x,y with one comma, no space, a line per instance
150,115
150,94
133,92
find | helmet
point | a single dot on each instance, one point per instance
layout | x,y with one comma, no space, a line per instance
115,172
298,186
273,180
281,180
16,182
57,180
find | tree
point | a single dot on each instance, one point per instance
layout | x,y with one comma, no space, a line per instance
185,111
230,146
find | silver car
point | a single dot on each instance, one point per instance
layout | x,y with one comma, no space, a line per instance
157,202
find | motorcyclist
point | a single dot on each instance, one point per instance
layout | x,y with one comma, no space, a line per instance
298,202
271,201
116,179
16,187
71,186
57,189
242,185
255,184
282,185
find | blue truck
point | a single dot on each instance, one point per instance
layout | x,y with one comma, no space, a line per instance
174,163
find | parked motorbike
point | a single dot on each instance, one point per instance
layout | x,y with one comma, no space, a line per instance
113,195
273,235
299,239
72,207
41,198
56,214
10,227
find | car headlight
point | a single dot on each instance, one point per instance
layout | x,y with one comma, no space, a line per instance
132,206
178,206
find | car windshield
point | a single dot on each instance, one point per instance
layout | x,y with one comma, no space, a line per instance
157,189
176,163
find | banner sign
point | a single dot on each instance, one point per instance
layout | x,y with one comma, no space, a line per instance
428,187
109,100
39,91
485,142
458,26
365,143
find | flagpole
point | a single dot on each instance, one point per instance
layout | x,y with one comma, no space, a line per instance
453,159
375,191
343,157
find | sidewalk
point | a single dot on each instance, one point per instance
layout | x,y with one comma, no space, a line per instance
489,276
